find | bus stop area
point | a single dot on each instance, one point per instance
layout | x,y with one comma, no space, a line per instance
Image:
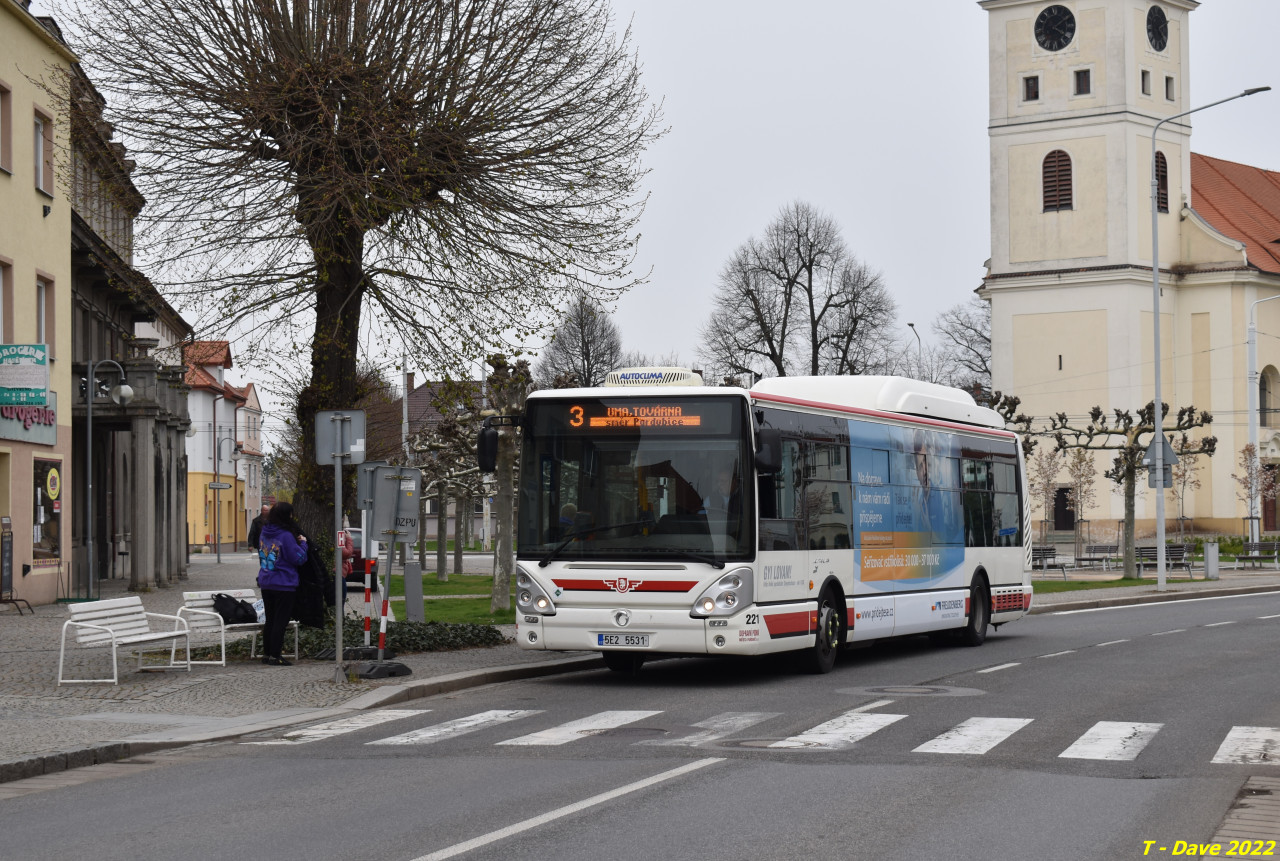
46,729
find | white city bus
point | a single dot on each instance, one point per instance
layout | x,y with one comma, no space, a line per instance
660,516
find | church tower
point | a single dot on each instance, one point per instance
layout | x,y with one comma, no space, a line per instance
1076,88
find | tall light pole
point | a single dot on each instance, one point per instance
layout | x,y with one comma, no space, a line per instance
1253,410
122,394
919,345
217,487
1158,417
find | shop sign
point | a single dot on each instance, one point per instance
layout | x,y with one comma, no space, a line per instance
24,374
32,424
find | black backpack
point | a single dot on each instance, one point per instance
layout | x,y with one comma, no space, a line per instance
234,611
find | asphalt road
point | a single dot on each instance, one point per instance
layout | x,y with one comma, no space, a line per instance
1069,736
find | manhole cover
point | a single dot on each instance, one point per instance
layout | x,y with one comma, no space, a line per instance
912,691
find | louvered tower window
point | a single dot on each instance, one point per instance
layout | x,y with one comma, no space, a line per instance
1057,181
1162,183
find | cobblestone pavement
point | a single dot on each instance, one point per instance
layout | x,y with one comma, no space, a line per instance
39,719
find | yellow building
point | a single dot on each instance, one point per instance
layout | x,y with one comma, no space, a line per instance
216,515
1076,91
36,481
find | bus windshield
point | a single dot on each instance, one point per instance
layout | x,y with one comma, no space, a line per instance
647,477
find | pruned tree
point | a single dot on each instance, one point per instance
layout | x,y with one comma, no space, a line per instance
1042,481
585,346
507,386
1082,494
1186,478
1128,437
1254,483
797,301
965,334
437,173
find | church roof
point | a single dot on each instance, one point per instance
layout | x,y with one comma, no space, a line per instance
1241,202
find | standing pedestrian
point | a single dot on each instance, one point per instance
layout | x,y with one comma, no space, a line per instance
255,528
282,548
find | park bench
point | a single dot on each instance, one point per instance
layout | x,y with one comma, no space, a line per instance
1175,556
197,610
1046,558
118,622
1095,553
1260,551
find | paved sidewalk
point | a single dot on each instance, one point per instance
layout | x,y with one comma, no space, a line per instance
45,728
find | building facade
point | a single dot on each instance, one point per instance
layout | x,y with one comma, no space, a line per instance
1076,90
216,513
37,479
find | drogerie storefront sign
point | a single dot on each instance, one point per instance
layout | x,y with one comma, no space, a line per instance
24,374
33,424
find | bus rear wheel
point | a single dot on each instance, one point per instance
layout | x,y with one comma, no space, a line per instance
975,633
826,646
623,662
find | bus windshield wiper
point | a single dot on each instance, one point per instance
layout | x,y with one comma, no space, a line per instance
586,530
679,553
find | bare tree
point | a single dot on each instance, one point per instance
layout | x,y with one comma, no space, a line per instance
586,345
1082,495
508,386
1126,438
1186,478
797,301
1253,482
965,333
1042,481
444,171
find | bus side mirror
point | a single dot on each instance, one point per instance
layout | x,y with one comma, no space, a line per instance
768,451
487,449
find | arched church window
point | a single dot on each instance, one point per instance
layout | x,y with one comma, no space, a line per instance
1268,380
1162,183
1057,181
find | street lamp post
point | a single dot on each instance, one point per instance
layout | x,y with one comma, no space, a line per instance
1253,409
1158,417
217,489
122,394
919,345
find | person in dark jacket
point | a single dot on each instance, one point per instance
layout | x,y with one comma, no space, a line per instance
282,548
255,527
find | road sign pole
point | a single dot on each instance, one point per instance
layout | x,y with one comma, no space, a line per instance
340,584
386,579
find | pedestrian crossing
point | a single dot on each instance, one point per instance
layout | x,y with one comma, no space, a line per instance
1117,741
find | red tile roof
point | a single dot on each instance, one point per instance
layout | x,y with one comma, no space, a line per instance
1241,202
208,353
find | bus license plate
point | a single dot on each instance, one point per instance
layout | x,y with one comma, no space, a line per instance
638,641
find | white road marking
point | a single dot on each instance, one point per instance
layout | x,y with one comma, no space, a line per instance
838,733
976,735
1250,745
1112,740
1001,667
716,727
460,726
1110,643
1056,654
1162,603
577,729
567,810
345,725
1219,624
869,706
1174,631
1276,616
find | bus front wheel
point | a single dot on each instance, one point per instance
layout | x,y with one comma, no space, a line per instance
826,646
975,633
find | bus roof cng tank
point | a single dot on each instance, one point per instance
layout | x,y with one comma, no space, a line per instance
890,394
653,377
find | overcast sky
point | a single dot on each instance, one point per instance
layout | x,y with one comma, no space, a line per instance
875,112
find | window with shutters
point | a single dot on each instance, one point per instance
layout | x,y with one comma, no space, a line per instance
42,151
6,128
1162,183
1057,181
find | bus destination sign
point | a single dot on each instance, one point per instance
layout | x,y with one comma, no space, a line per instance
700,415
647,416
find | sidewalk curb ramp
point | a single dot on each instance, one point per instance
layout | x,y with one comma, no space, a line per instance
52,763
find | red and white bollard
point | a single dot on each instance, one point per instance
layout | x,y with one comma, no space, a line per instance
368,599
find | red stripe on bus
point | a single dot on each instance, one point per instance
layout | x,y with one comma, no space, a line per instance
791,624
880,414
642,586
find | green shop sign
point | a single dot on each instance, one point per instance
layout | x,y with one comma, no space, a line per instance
24,374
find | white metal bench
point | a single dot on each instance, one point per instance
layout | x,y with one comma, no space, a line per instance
197,610
120,622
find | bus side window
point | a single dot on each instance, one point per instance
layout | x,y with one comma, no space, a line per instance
781,505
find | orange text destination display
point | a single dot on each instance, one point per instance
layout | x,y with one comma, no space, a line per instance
634,416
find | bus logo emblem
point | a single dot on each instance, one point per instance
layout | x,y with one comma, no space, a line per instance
623,584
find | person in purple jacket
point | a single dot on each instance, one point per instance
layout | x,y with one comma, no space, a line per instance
281,549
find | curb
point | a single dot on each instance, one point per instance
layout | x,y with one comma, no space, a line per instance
1157,598
52,763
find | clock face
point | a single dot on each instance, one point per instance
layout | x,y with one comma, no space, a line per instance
1055,28
1157,28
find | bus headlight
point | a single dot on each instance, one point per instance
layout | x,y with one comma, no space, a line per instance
531,598
723,597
